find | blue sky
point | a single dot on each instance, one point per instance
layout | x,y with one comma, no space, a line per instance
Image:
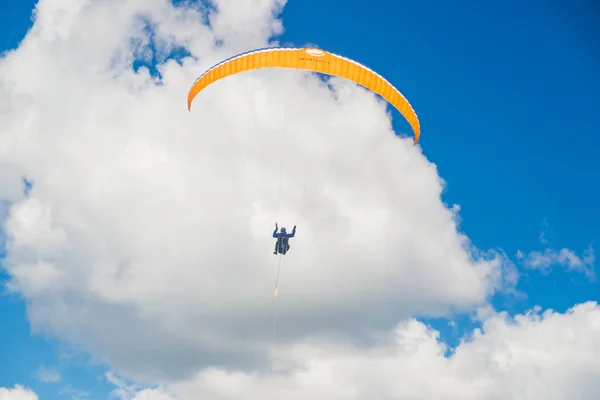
508,98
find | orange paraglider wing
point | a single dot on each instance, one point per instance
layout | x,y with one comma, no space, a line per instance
315,60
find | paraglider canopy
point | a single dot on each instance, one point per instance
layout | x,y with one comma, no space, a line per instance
309,59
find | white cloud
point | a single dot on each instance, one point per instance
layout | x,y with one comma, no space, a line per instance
544,232
17,393
146,237
45,374
246,25
124,390
568,259
537,355
565,258
152,394
74,393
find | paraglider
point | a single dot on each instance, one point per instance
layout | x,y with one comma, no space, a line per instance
309,59
314,60
282,244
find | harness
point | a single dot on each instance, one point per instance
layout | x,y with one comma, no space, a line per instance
282,242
